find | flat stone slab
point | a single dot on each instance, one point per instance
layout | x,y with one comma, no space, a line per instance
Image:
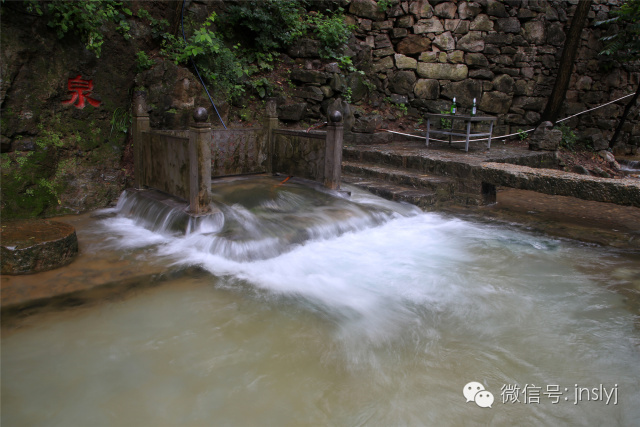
31,246
622,191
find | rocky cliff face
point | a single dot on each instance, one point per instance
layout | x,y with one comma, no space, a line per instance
503,53
416,54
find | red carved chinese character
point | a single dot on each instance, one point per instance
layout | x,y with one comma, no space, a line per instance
81,89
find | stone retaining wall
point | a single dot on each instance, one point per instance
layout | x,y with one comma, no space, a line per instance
504,53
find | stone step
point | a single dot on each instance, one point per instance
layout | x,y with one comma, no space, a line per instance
409,178
434,163
420,197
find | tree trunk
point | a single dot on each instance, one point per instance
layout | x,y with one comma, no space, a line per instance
559,92
627,108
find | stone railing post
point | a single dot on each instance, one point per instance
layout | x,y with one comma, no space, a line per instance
333,151
270,124
200,162
139,125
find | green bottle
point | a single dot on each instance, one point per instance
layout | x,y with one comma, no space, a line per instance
473,109
453,106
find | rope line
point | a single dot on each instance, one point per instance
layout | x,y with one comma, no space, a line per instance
511,134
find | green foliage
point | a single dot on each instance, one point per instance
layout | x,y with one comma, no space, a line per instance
383,5
30,182
346,63
522,134
158,26
218,64
569,137
262,87
120,120
265,25
143,62
348,93
402,108
332,31
445,123
83,19
623,42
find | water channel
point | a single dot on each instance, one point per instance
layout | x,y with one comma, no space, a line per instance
312,309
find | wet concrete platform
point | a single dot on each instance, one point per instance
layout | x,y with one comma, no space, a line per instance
95,273
508,165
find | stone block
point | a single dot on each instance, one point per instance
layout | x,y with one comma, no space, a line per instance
526,14
481,23
600,143
381,41
555,34
432,25
464,91
420,8
397,33
383,25
508,25
402,82
439,71
405,21
444,41
504,83
359,90
366,9
292,112
445,10
476,60
482,73
405,62
534,32
456,57
472,42
309,76
468,10
367,124
413,44
429,56
379,53
383,64
427,89
496,8
338,83
313,93
462,27
498,39
495,102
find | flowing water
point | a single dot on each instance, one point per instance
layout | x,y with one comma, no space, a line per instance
312,309
630,167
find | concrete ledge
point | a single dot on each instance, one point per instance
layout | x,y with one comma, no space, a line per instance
624,192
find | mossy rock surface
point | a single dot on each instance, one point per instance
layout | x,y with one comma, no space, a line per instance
30,246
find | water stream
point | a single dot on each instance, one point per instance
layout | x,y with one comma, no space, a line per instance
312,309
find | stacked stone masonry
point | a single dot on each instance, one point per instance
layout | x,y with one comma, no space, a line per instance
503,53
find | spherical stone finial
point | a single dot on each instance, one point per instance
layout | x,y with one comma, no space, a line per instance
200,115
335,116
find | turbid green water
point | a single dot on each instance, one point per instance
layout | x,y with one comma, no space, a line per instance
379,316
